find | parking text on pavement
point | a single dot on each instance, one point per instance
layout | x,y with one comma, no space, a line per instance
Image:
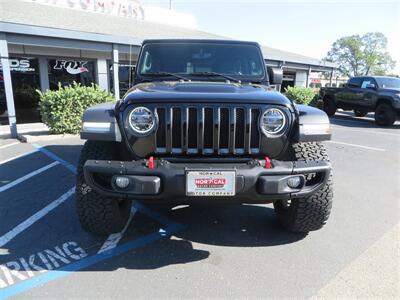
24,268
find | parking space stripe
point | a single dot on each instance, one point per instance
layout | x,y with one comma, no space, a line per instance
111,250
334,126
113,239
17,156
27,176
171,228
55,157
9,145
354,145
34,218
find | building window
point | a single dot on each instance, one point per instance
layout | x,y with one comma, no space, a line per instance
289,79
126,74
65,71
25,81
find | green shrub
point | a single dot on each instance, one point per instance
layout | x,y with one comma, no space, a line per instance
299,94
62,109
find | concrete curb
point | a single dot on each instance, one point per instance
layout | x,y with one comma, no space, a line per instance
29,138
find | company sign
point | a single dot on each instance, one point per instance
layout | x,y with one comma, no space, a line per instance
19,65
121,8
71,66
210,182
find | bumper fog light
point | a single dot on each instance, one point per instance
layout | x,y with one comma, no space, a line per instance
294,182
121,182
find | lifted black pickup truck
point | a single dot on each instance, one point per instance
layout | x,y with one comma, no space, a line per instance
366,94
202,125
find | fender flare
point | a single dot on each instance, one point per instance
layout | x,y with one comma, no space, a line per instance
99,123
314,125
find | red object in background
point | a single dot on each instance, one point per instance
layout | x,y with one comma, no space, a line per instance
268,164
150,163
315,80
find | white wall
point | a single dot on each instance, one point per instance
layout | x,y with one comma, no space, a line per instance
301,78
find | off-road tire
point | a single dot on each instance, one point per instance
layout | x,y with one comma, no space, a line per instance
385,115
307,213
359,113
329,106
98,214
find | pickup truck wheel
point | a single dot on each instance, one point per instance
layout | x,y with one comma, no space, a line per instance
329,107
385,115
98,214
307,213
359,113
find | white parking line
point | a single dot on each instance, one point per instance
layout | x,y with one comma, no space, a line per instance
17,156
34,218
113,239
9,145
27,176
354,145
335,126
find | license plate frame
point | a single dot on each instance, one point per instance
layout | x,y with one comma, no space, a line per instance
210,183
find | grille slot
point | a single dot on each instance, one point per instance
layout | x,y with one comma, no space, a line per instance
224,130
161,131
208,130
239,136
255,133
176,128
192,128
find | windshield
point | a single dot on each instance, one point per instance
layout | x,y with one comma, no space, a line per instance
243,62
388,82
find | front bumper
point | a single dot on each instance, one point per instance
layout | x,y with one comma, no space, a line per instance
166,182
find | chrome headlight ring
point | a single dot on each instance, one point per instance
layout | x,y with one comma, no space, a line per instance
142,121
273,122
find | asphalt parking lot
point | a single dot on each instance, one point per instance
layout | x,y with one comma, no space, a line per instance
209,252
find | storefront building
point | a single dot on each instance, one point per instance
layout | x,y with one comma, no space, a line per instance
54,45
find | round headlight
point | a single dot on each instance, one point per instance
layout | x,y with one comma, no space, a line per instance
142,121
272,121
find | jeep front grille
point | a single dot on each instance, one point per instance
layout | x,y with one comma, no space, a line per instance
207,130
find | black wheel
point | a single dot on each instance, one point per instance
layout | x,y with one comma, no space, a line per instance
329,106
360,113
385,115
98,214
312,212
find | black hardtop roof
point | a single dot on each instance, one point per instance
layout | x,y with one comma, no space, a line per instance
180,41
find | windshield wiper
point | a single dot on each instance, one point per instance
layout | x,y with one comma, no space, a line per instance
207,74
155,74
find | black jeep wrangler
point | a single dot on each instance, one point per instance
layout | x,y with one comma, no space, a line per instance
202,125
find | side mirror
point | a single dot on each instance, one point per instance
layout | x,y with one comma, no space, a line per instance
370,86
275,75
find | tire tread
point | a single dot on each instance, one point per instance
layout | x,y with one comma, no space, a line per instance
312,212
98,214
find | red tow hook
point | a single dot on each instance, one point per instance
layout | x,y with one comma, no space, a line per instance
268,164
150,163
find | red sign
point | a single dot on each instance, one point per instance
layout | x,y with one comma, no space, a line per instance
210,182
315,80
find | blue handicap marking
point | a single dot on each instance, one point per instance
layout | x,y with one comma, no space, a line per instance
50,154
169,227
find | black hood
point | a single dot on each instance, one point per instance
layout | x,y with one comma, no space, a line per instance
156,92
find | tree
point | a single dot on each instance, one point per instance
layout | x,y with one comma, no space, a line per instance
361,55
